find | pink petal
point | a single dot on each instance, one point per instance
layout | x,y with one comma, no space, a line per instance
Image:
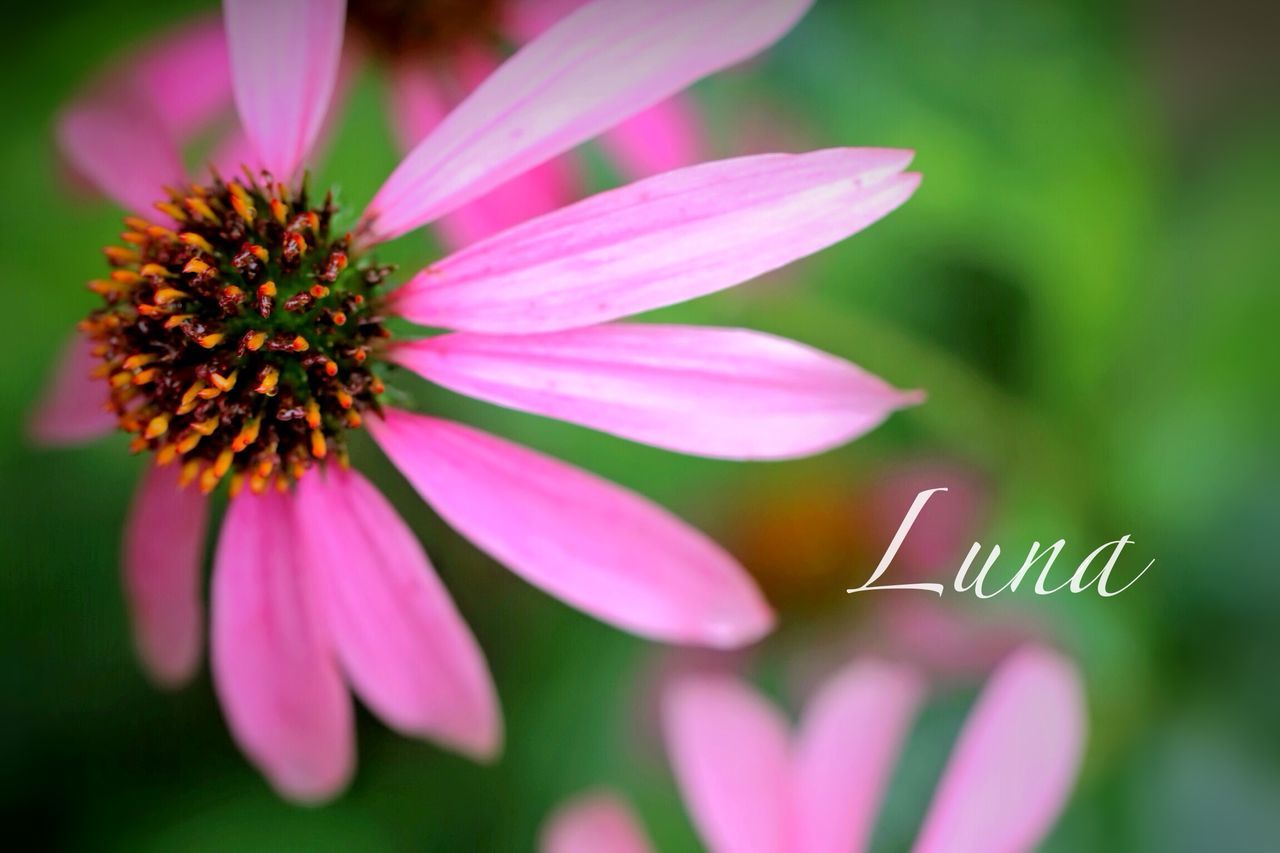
419,102
1016,761
528,195
284,64
852,732
399,637
664,137
279,686
601,64
594,823
716,392
658,242
73,408
120,143
730,751
236,152
538,191
602,549
163,551
186,75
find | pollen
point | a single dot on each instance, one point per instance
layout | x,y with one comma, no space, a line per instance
238,342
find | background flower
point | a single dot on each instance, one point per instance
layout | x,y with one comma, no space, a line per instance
752,785
433,55
1084,286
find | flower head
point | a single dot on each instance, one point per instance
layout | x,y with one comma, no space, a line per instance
242,335
751,786
239,338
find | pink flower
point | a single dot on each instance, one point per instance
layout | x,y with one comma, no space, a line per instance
241,337
751,786
827,531
433,55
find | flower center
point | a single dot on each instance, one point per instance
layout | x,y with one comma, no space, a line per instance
405,27
243,338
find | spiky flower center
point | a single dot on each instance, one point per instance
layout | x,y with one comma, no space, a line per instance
241,337
425,27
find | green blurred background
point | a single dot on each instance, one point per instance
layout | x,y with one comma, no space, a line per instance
1084,285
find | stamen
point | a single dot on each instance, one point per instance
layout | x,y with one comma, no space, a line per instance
242,203
171,210
120,255
165,295
224,383
193,239
189,471
157,426
133,362
201,208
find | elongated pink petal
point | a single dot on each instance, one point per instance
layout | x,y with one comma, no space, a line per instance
397,634
662,138
275,676
658,242
163,552
594,823
235,151
73,408
602,549
284,64
603,63
715,392
1016,761
852,733
731,754
419,102
538,191
120,143
186,75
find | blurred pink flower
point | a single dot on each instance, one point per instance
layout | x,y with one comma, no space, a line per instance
751,786
808,543
318,584
434,54
830,528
